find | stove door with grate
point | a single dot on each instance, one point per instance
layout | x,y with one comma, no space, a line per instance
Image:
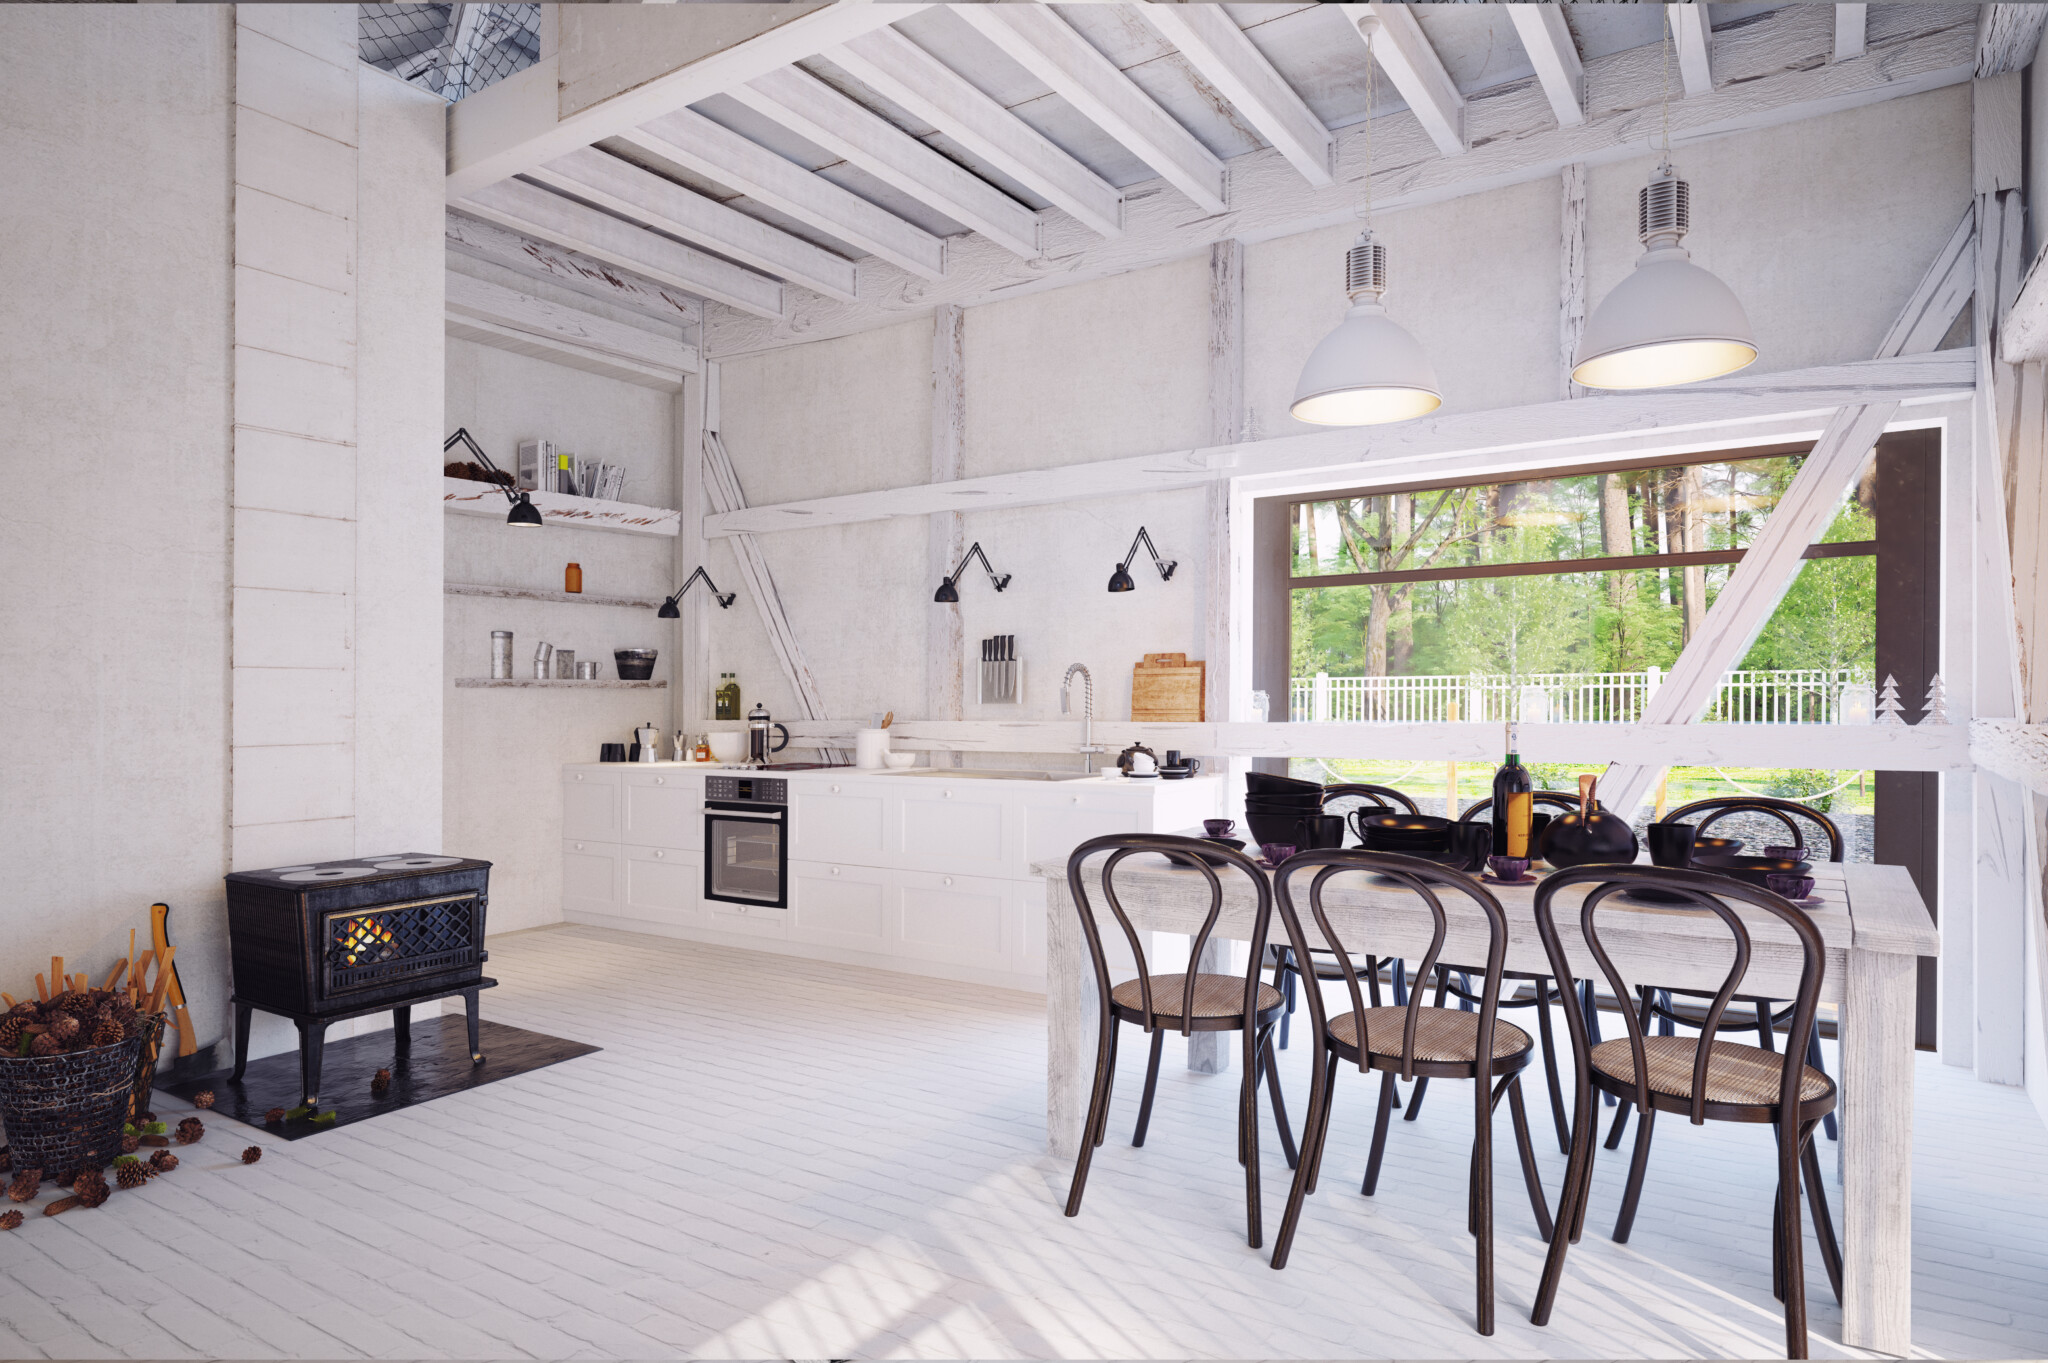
363,952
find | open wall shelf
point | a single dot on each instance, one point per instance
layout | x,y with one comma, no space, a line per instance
464,497
536,594
566,683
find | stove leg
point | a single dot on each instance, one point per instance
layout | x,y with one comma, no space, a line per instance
242,1011
401,1027
476,1054
312,1046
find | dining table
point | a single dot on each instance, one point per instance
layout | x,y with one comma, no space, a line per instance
1873,926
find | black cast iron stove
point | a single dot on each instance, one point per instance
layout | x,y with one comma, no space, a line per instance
341,939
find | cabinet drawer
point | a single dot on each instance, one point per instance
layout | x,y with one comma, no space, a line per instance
590,876
843,904
828,822
1053,831
590,807
942,827
664,811
661,885
971,920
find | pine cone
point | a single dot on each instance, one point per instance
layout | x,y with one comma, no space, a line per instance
10,1220
93,1194
130,1144
108,1033
131,1173
10,1033
64,1027
380,1081
46,1044
190,1130
252,1154
87,1179
24,1184
203,1099
25,1009
274,1116
163,1161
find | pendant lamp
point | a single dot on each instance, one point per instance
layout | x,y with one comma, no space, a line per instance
1670,321
1370,369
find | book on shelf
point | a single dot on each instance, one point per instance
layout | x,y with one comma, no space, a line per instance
546,467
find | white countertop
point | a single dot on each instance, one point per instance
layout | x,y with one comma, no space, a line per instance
1111,778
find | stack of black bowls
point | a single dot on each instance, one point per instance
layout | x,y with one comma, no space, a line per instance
1417,835
1274,806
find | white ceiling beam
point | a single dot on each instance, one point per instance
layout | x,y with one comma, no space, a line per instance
549,321
911,78
1774,70
1849,32
1548,41
1692,38
2007,37
535,212
816,112
622,187
694,142
1216,47
590,277
509,128
1039,40
1403,52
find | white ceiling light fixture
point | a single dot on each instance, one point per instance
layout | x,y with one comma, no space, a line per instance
1669,322
1369,370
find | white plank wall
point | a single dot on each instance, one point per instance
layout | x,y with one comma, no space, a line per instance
945,540
1571,267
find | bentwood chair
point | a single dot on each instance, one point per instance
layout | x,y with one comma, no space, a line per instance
1704,1077
1186,1002
1412,1041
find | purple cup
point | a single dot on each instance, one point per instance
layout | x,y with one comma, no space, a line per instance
1276,852
1509,869
1218,828
1784,853
1791,887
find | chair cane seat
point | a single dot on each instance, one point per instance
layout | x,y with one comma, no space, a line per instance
1216,996
1442,1035
1737,1075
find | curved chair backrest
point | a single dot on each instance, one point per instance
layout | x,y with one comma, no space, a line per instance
1183,852
1781,810
1420,878
1556,799
1705,893
1385,797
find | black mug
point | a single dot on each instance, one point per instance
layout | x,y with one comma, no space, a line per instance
1473,842
1671,843
611,752
1319,831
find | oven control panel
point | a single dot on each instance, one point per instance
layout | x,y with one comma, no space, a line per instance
763,790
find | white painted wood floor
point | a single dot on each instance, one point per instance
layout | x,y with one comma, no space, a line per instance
783,1159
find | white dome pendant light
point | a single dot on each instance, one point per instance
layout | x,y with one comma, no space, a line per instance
1670,321
1370,369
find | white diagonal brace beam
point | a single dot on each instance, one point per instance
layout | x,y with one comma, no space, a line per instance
1402,49
694,142
1547,38
517,124
1849,32
1216,47
2008,37
924,87
1692,38
1759,582
538,213
816,112
624,188
593,278
722,488
548,323
1046,45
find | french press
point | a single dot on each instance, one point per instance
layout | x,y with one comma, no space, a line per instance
758,725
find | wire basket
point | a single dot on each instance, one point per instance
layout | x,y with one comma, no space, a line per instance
152,1032
63,1113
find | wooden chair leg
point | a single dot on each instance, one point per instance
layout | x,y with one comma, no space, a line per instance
1315,1126
1620,1124
1098,1106
1108,1086
1527,1150
1482,1200
1589,1005
1329,1100
1766,1032
1550,1077
1248,1143
1813,1059
1637,1164
1151,1086
1571,1210
1823,1221
1267,1063
1795,1248
1379,1133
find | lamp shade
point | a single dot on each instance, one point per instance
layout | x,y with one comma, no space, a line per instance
946,593
523,512
1119,580
1369,370
668,611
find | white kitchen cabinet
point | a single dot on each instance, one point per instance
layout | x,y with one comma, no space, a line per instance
663,809
840,820
1058,820
590,805
661,885
839,904
963,827
963,920
590,876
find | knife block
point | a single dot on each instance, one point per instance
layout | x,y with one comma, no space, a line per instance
1002,683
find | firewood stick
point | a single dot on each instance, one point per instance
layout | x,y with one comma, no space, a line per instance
120,968
62,1204
56,970
7,999
163,1141
163,978
42,990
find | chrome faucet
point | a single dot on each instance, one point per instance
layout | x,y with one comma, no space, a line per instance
1088,745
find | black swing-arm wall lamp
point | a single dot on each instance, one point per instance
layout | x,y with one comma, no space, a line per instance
948,591
523,512
668,609
1120,580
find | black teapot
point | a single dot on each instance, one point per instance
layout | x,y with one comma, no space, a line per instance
1588,834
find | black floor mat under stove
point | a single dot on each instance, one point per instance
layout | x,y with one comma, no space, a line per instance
436,1065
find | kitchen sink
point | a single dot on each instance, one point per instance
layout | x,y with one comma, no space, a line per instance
994,774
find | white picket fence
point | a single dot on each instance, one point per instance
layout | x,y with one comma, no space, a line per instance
1790,697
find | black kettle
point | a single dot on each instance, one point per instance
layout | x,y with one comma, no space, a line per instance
1588,834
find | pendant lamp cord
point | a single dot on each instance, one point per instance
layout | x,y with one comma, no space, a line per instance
1667,84
1372,65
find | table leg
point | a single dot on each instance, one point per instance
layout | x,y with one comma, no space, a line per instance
1877,1152
1070,1023
1209,1052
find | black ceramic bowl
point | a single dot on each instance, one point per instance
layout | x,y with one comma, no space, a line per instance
1403,825
1755,870
1716,846
1231,843
1265,783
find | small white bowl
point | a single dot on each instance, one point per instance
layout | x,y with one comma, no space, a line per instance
899,760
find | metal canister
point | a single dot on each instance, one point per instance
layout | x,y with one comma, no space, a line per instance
501,654
543,661
586,671
565,663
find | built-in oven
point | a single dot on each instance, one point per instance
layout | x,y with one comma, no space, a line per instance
746,840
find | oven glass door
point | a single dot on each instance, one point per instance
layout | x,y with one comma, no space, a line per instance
746,856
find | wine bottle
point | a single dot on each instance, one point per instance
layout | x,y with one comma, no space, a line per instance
1513,803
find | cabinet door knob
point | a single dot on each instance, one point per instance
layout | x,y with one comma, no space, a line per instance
579,847
945,794
835,870
661,780
742,908
835,790
657,856
1075,799
949,880
579,776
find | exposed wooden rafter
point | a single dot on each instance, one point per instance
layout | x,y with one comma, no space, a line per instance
1046,45
1849,31
480,310
2008,36
908,76
1692,40
588,276
816,112
1216,47
694,142
644,197
1548,41
535,212
1403,52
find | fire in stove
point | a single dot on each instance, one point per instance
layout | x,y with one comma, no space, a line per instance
364,941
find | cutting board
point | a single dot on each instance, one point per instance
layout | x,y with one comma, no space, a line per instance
1167,689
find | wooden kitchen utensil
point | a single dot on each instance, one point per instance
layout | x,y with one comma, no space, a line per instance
1167,691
